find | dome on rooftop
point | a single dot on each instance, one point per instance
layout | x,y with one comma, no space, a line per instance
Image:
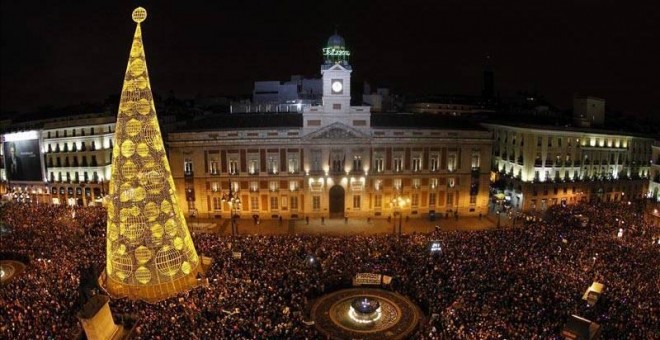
336,41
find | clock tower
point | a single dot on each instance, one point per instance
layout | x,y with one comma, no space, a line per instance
336,110
336,73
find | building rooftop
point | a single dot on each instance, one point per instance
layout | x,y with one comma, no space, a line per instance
422,121
295,120
246,121
571,128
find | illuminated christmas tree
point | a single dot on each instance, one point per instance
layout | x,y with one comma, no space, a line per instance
150,254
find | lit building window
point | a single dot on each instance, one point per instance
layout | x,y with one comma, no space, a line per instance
188,166
397,184
475,160
398,164
233,166
316,203
273,203
274,185
293,185
294,202
272,165
378,163
434,163
213,167
253,168
414,199
378,185
416,183
417,163
254,186
432,199
451,162
433,183
293,165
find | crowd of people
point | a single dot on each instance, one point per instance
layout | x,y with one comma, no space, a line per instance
517,283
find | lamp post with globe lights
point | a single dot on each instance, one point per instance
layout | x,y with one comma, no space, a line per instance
234,202
398,203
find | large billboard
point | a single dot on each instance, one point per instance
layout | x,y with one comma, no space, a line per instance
23,158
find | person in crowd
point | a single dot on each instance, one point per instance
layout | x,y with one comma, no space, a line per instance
520,283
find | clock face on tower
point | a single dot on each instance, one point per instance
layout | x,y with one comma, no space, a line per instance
337,86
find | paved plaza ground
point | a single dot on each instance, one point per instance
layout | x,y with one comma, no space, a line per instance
350,226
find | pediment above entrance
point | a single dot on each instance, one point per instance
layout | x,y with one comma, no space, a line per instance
336,131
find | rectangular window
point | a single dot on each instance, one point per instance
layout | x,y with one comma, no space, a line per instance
451,162
378,201
217,203
417,164
233,166
450,199
273,203
451,182
433,183
274,185
254,203
272,165
294,202
254,186
473,199
357,163
294,186
416,183
293,165
316,160
356,201
475,161
414,200
398,164
397,184
378,184
434,163
253,168
337,163
213,167
316,203
187,166
432,199
378,164
336,106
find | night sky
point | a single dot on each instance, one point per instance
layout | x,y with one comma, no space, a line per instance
65,52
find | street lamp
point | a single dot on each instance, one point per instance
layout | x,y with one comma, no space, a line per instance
235,204
398,203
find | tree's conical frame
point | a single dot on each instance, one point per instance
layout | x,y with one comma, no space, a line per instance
150,254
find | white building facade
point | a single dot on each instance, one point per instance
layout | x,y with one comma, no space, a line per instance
332,160
547,166
74,154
